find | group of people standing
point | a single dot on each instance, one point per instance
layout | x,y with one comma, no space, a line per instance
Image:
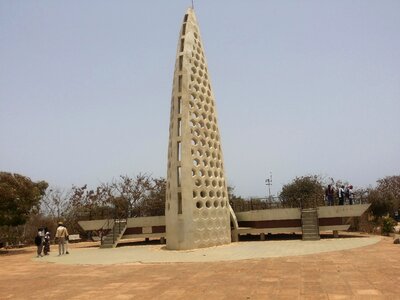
345,195
43,240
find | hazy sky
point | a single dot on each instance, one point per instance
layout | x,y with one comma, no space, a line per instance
301,87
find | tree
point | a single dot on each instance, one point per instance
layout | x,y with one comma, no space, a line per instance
385,198
55,203
19,195
303,192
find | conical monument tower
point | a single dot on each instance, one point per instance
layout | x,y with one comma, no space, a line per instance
197,208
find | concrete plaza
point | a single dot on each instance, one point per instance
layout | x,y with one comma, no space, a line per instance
360,267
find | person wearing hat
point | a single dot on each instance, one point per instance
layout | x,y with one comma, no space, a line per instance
61,234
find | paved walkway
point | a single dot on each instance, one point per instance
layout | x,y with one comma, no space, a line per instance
231,252
368,272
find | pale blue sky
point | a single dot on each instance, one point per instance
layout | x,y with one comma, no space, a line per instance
301,87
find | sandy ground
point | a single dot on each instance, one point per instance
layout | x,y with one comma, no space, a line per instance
367,272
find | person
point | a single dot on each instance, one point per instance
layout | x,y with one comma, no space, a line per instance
351,195
341,195
66,241
61,234
39,244
46,243
329,192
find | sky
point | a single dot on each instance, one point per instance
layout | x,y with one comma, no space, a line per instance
301,87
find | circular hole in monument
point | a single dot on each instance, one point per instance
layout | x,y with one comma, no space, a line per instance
223,194
196,162
217,164
194,142
203,142
222,203
212,111
195,35
208,125
205,133
199,204
209,172
198,105
201,123
215,173
205,162
197,182
218,194
220,183
208,203
209,94
203,89
207,153
198,79
216,145
192,77
216,203
211,194
199,152
192,123
194,115
202,194
193,70
206,107
204,116
214,183
197,132
210,144
194,194
193,172
212,135
202,173
197,56
211,164
205,83
207,182
201,73
202,66
217,137
201,97
196,63
210,118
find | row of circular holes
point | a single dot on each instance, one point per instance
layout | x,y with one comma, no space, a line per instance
206,162
203,143
200,204
210,173
205,133
203,124
211,193
207,153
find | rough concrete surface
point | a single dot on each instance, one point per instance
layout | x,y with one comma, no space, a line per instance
368,272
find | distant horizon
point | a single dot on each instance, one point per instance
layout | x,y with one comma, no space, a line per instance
301,88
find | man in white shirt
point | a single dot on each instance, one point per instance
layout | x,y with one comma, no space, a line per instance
61,234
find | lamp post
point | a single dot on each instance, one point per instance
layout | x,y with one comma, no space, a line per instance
268,182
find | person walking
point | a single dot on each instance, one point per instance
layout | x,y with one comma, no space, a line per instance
329,192
39,244
341,195
66,241
61,234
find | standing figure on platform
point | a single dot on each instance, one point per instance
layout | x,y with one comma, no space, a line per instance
329,192
341,195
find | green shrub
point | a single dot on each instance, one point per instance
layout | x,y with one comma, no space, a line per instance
388,225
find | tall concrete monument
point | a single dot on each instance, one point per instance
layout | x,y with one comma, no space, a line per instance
197,209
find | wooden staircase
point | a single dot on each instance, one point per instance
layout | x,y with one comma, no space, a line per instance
309,224
111,239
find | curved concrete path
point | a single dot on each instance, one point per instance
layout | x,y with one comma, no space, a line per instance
232,252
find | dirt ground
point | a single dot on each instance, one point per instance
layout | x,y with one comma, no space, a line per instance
371,272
